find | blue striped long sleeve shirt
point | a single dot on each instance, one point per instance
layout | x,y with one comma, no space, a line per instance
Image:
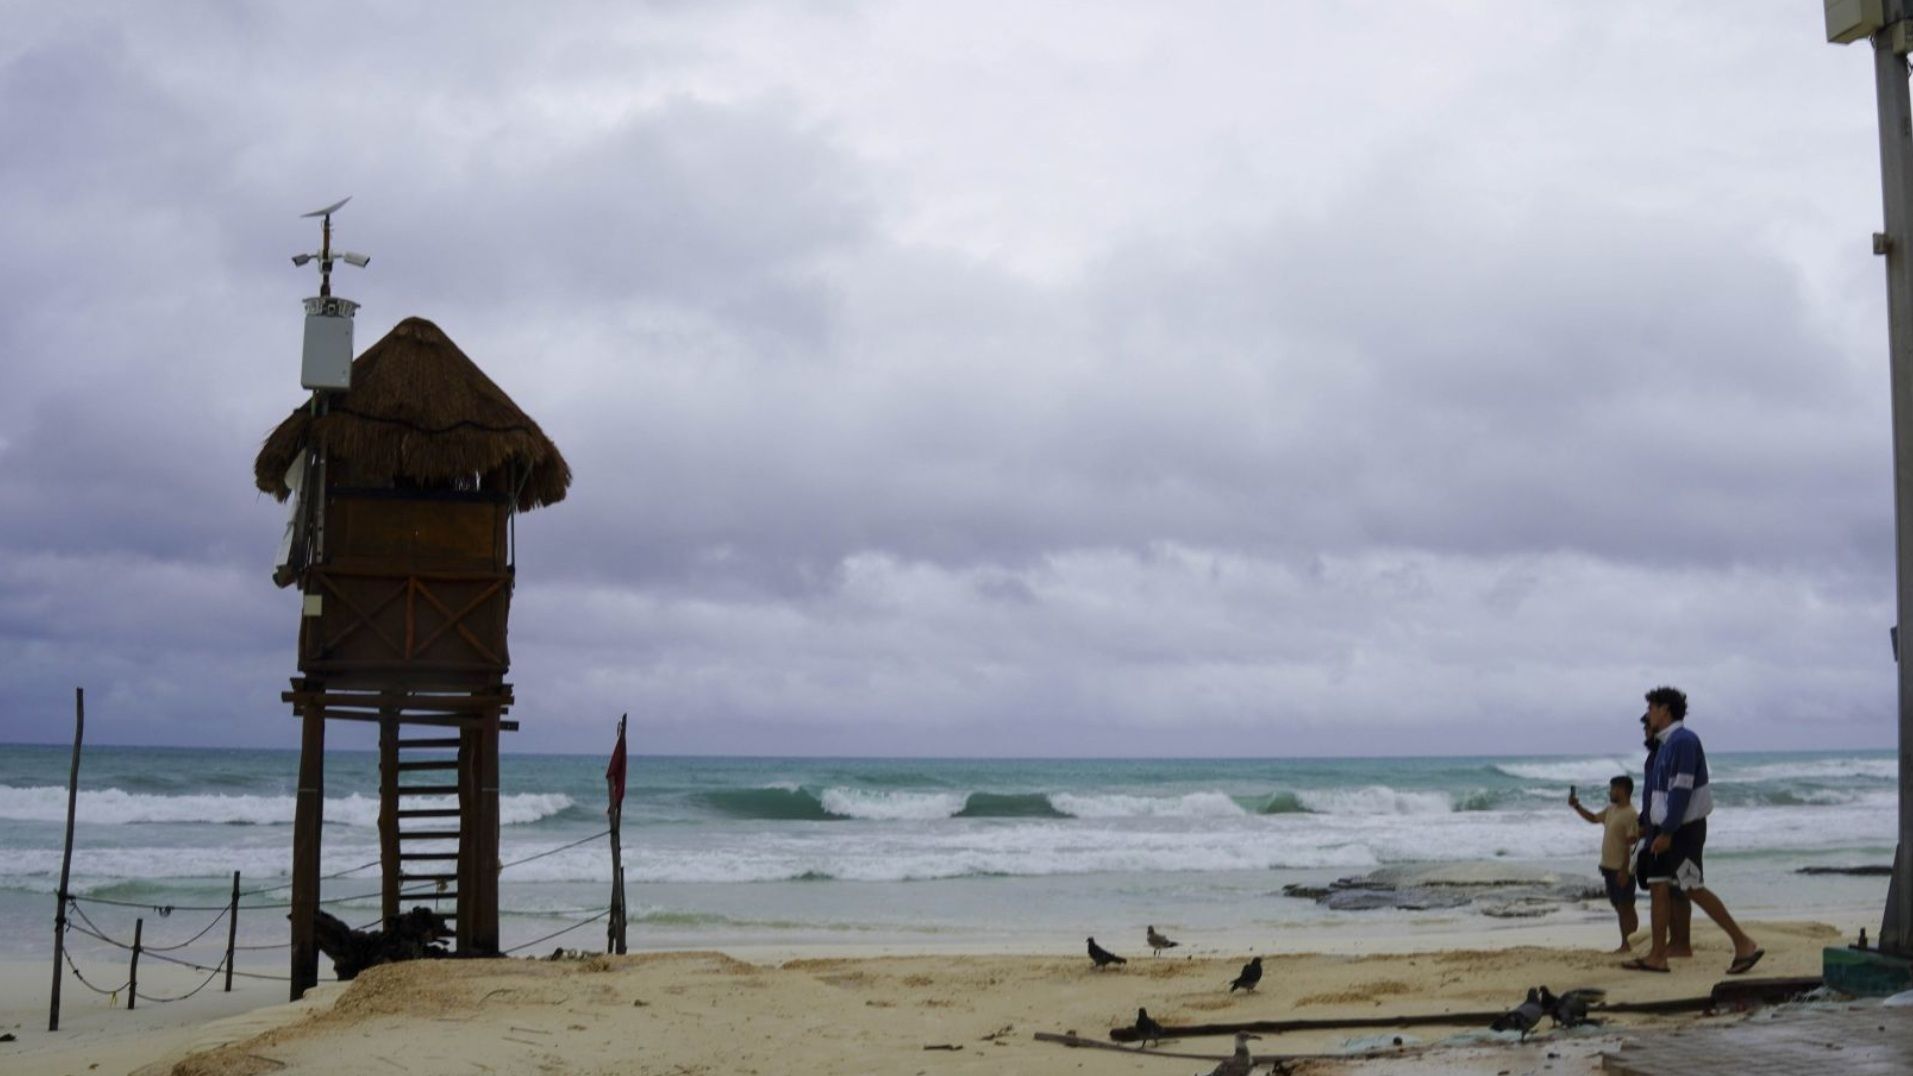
1677,791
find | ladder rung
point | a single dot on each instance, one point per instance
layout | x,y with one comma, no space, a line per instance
430,835
406,856
449,894
443,741
429,764
428,878
428,790
428,812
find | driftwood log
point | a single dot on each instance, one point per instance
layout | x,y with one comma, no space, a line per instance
414,935
1278,1063
1728,994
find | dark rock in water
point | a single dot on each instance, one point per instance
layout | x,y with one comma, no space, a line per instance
1501,890
1522,907
1864,872
1412,900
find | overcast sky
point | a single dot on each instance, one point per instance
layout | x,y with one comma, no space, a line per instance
985,379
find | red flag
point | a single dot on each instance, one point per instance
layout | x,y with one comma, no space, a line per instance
614,774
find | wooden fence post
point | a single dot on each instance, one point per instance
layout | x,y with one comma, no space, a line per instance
232,929
66,858
132,976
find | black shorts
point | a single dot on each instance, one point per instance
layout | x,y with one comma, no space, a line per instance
1679,866
1621,896
1640,870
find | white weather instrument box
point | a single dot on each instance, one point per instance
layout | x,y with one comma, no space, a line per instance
328,352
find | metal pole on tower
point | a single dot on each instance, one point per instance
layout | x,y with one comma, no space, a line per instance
1885,24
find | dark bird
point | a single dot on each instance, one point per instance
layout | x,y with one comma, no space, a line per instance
1251,975
1571,1009
1522,1017
1159,943
1147,1030
1240,1063
1102,956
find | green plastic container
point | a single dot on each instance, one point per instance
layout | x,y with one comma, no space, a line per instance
1866,973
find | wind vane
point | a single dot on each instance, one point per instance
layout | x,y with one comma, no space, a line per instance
328,350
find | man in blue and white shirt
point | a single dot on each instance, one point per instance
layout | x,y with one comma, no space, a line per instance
1678,803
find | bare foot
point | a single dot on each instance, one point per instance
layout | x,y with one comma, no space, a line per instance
1680,952
1624,948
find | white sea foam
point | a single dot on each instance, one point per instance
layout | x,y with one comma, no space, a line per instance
1021,851
38,869
886,805
1585,771
1193,805
1375,799
1819,769
1020,848
1835,797
115,807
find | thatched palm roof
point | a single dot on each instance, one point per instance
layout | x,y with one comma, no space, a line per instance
420,413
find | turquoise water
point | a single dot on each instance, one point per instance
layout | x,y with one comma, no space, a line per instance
807,851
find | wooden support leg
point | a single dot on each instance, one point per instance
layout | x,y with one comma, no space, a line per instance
468,835
388,818
485,829
307,820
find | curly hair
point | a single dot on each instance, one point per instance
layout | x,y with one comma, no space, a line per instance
1673,698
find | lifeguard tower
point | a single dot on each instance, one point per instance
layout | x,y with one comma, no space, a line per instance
406,469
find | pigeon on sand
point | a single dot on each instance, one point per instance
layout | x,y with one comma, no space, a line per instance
1522,1017
1147,1029
1102,956
1571,1009
1158,942
1251,975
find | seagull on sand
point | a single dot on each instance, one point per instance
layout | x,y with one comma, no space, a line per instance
1251,975
1240,1063
1522,1017
1158,942
1102,956
1147,1030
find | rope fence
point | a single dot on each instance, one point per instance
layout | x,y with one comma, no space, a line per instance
85,925
557,933
75,968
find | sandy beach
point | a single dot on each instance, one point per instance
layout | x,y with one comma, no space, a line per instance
818,1012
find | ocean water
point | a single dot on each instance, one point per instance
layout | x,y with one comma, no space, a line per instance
902,852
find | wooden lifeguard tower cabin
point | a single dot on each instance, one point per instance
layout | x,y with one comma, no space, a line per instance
407,483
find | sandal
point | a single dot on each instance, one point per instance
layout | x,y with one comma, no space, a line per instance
1642,965
1743,964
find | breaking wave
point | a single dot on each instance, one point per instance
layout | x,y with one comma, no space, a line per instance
116,807
1823,769
783,803
1583,771
1374,799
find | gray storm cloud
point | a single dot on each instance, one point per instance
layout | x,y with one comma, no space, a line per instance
1086,380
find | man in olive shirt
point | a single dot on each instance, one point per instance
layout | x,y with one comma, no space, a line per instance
1622,830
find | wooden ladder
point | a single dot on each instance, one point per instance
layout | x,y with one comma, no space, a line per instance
421,842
